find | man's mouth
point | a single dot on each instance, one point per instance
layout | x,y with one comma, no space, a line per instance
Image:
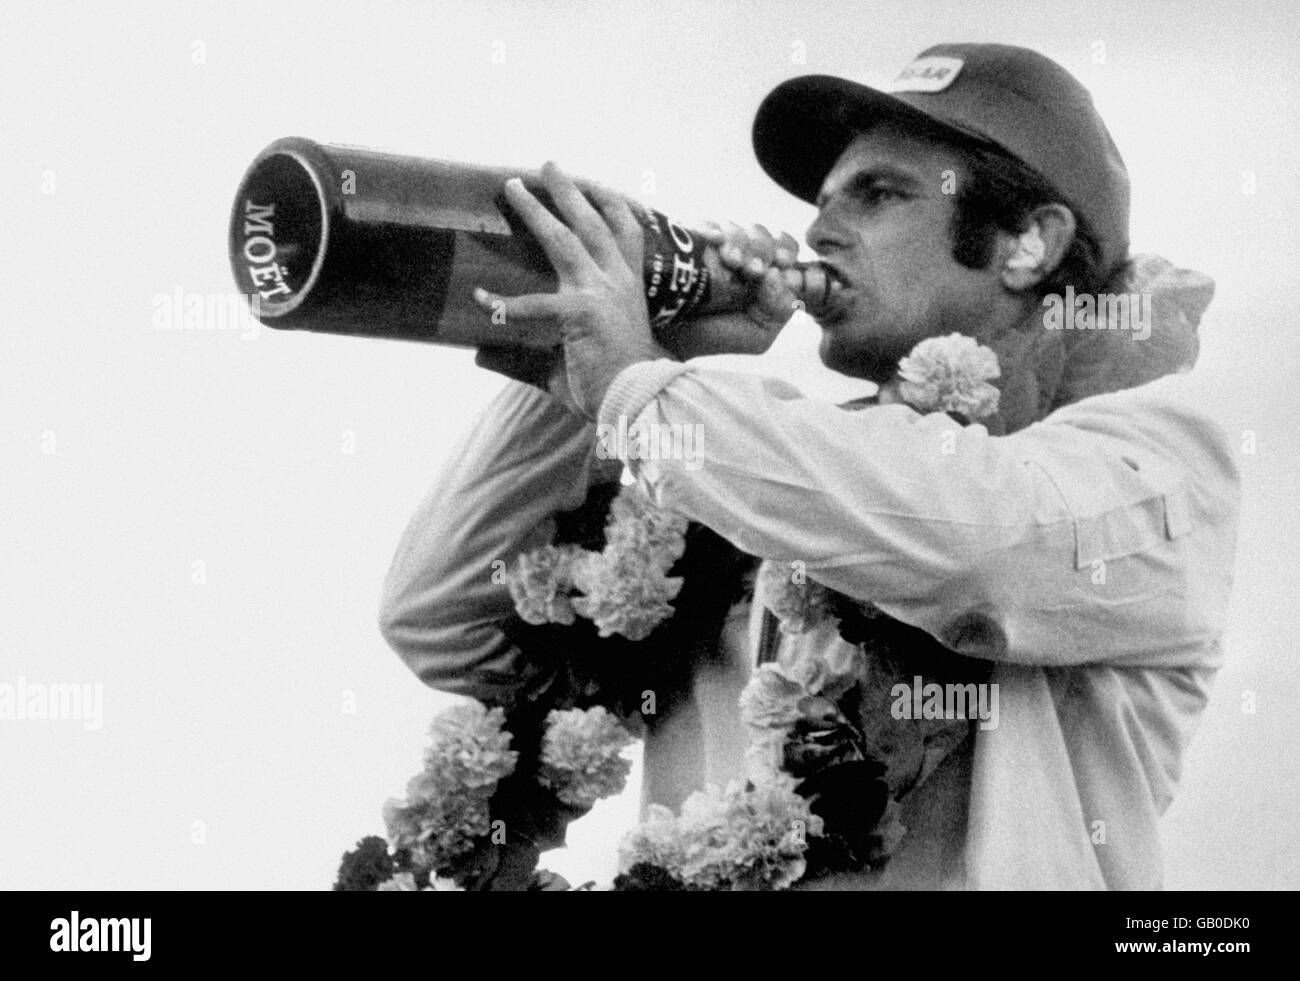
833,305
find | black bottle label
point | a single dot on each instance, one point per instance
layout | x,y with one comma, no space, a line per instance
676,277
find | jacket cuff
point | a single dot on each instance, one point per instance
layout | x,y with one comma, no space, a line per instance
633,388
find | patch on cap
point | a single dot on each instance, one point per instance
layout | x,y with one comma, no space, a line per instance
932,74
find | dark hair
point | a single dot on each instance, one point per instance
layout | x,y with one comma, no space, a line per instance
998,192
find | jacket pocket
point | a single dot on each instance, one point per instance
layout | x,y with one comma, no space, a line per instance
1125,510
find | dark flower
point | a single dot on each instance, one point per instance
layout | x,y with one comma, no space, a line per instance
851,799
364,868
644,877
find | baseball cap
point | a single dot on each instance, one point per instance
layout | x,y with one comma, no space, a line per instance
1012,98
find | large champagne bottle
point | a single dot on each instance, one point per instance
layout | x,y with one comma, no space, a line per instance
347,240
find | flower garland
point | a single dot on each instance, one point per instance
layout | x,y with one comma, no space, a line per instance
441,835
817,798
445,810
582,756
626,587
748,837
950,374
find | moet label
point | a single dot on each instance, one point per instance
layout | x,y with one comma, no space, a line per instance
268,276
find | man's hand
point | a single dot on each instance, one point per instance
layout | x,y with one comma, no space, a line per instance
761,284
598,255
600,305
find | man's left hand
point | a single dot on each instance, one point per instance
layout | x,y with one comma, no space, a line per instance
600,305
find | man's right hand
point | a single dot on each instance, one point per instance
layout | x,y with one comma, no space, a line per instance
755,271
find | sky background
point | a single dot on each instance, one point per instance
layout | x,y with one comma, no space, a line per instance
200,521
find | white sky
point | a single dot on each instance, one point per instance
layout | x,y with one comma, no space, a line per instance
224,701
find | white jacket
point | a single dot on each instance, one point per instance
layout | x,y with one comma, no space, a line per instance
1089,555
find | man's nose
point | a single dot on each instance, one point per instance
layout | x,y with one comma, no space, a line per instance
827,232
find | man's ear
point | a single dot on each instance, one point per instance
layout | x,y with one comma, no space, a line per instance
1030,256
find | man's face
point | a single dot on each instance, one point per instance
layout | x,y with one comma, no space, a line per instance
884,227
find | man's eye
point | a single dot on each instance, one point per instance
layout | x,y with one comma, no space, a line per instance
876,194
866,194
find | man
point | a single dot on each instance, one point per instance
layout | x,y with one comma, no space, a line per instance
1081,541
